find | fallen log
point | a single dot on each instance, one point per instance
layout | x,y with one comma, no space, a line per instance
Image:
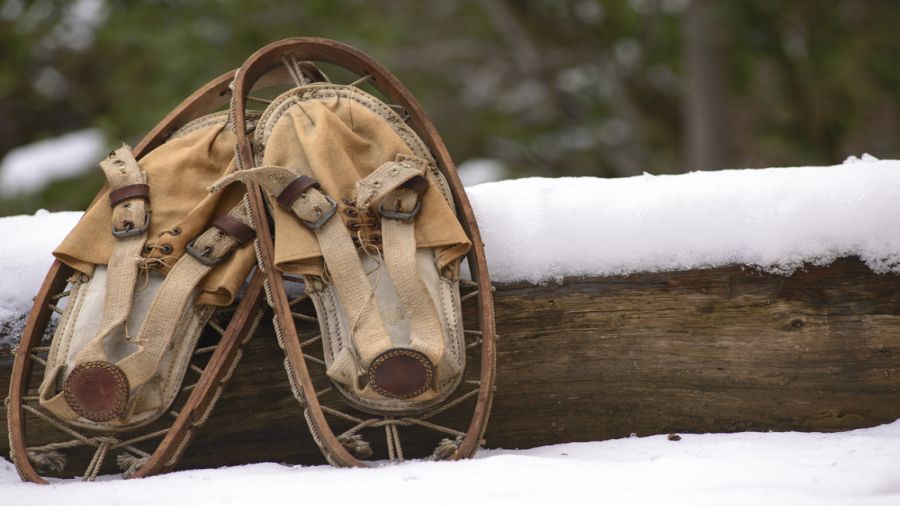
710,350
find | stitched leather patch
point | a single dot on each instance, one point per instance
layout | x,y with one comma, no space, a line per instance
129,192
235,228
97,391
294,189
401,373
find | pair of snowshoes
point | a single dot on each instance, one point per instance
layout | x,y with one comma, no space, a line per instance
337,205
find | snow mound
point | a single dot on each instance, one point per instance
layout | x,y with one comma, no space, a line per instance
540,229
30,168
24,260
849,468
775,219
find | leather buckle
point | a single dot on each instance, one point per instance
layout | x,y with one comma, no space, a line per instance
131,231
316,225
400,215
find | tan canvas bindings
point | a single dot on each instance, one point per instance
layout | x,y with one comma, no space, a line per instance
332,155
149,267
364,215
120,351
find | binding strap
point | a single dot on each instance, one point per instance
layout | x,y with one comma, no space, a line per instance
141,191
400,373
398,185
130,221
237,229
178,291
86,387
294,189
315,209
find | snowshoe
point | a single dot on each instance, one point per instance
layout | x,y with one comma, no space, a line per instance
148,330
371,224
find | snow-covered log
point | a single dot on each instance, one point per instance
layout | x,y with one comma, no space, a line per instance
707,302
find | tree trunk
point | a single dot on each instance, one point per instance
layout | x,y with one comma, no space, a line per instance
705,107
699,351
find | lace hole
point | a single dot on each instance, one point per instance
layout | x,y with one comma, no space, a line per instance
166,248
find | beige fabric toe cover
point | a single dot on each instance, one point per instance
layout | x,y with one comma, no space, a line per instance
155,350
339,135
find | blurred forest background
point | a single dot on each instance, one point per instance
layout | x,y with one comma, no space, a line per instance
527,88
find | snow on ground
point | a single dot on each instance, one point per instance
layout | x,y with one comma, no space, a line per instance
541,229
29,168
776,219
849,468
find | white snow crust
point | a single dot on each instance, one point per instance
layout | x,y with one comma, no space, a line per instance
25,258
541,230
774,219
544,229
857,468
29,168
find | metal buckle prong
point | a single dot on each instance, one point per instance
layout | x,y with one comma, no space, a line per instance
201,256
400,215
131,232
316,225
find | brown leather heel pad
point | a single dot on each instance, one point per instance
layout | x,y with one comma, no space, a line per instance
97,391
401,373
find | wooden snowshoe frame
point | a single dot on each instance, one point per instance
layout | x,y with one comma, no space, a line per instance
194,402
346,449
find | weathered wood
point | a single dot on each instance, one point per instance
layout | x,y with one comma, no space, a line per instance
714,350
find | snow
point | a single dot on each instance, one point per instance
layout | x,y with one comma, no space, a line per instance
848,468
24,260
773,219
542,229
481,170
29,168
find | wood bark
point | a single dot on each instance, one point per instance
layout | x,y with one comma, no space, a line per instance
716,350
705,104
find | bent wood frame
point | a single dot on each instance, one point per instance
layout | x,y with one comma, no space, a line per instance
203,395
258,66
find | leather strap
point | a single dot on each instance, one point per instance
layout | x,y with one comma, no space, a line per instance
175,295
399,244
204,100
240,231
417,184
342,261
124,174
297,187
404,170
131,191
